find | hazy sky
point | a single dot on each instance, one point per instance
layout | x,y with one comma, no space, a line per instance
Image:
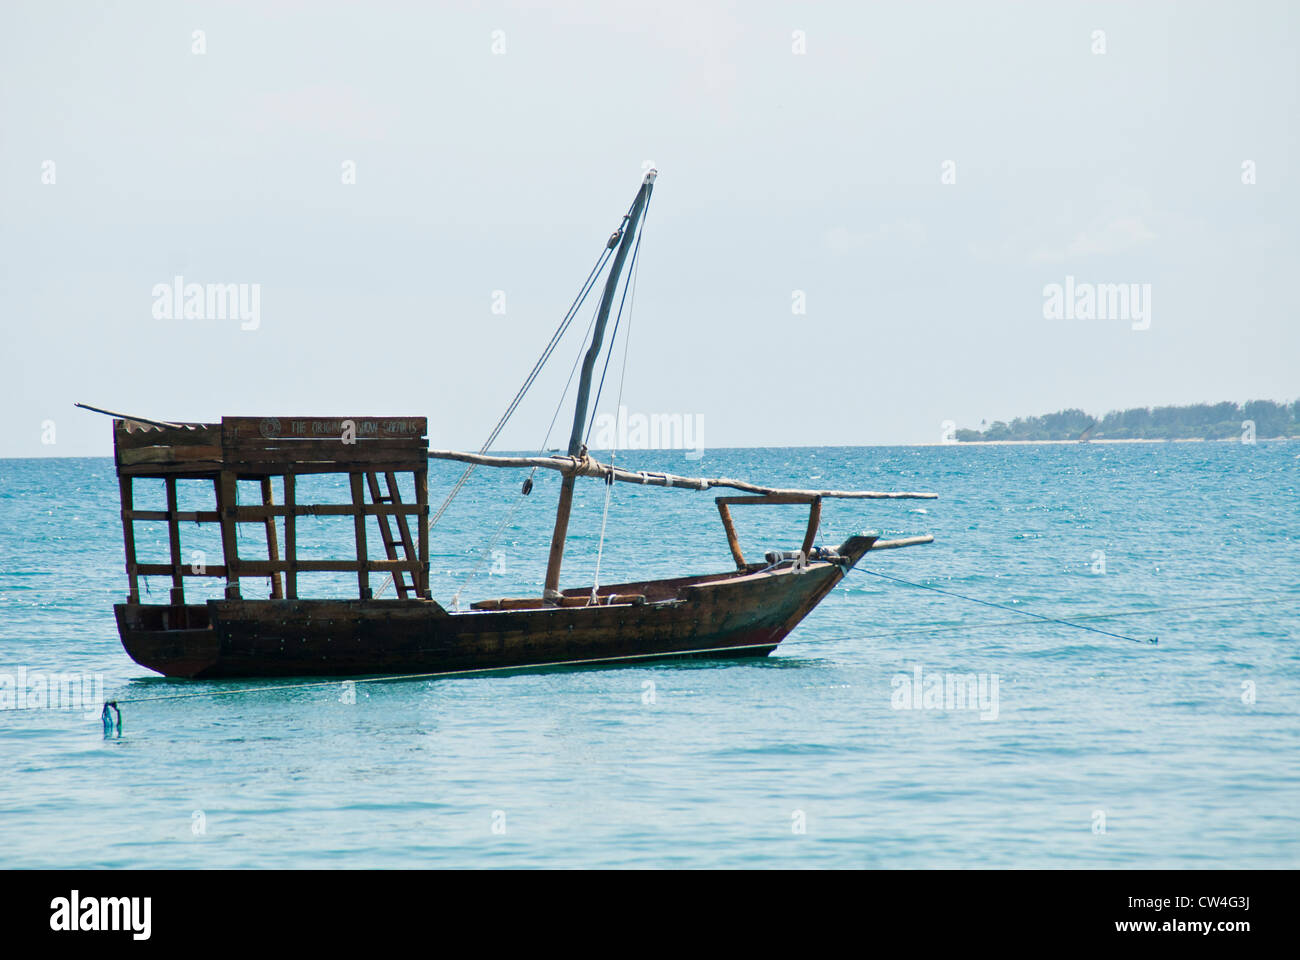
497,145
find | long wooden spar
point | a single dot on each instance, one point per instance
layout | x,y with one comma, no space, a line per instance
585,466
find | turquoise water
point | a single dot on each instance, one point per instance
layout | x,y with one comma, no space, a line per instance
1103,753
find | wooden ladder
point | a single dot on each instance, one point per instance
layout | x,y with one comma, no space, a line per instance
401,579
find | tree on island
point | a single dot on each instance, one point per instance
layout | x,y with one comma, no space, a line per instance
1200,421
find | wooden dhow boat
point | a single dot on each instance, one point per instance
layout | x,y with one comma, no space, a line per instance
746,611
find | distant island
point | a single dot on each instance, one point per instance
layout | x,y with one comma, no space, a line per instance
1201,421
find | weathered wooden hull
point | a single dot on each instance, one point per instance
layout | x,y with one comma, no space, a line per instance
740,613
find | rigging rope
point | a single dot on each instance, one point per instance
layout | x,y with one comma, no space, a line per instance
630,282
528,382
587,287
527,488
604,257
556,337
487,551
633,273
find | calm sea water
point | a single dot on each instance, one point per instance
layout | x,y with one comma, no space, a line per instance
1103,753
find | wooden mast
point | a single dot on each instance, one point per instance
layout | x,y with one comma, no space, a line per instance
624,238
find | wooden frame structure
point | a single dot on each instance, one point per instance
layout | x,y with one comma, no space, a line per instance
368,449
733,541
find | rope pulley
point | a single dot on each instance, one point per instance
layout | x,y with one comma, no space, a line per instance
617,235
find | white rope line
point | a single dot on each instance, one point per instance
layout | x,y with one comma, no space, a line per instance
451,673
622,378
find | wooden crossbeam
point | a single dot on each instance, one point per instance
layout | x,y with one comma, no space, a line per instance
587,467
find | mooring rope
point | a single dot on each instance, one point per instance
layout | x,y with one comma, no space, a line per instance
116,720
932,629
1002,606
115,705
